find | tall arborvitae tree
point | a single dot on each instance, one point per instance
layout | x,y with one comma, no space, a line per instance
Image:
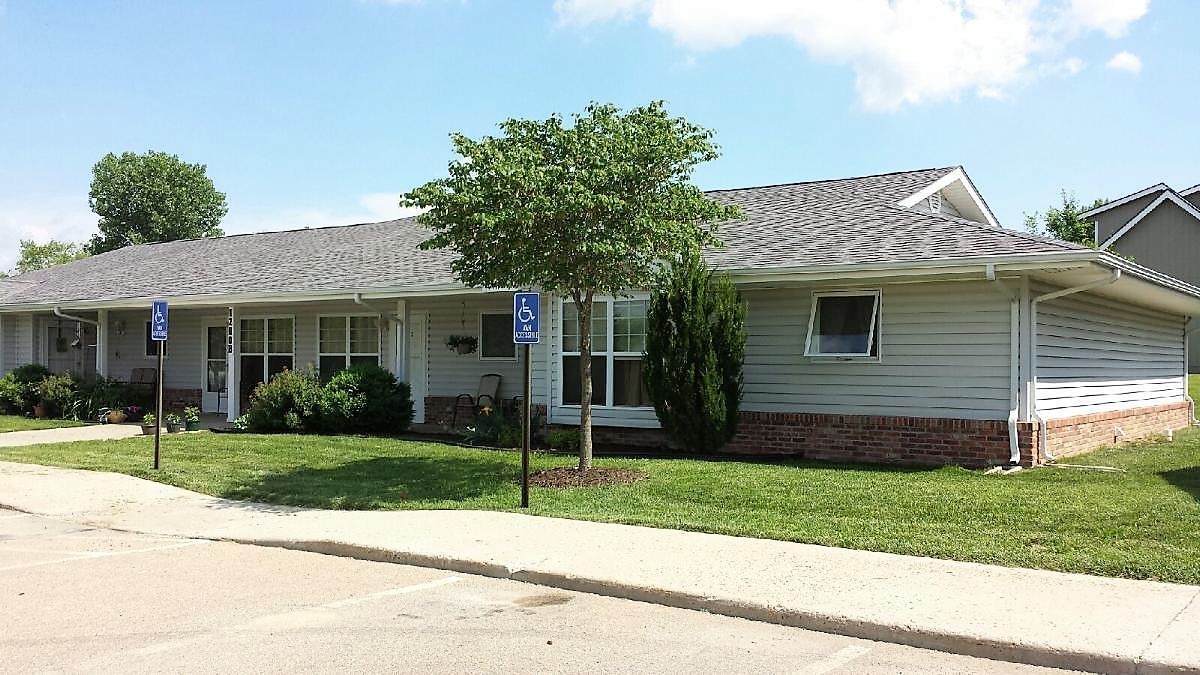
695,345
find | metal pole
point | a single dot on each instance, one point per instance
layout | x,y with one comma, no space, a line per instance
526,430
158,420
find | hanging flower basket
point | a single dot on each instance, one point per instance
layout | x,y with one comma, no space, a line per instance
463,344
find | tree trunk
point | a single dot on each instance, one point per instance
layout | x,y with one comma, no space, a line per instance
584,304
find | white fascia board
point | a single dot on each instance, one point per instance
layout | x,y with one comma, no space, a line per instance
1169,195
1124,200
254,298
1194,188
1027,261
955,176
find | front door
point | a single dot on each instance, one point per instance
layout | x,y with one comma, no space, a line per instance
215,397
418,339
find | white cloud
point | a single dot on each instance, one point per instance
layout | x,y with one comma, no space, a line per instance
1125,61
42,218
902,52
1073,65
385,206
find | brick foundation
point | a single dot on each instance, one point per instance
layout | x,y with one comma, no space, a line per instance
920,440
439,410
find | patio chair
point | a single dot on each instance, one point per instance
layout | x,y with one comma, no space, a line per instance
489,390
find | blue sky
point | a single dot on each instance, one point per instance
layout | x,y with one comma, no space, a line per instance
317,113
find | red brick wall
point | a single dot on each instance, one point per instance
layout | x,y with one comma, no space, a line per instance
440,410
175,400
918,440
1075,435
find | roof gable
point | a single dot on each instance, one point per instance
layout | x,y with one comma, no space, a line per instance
1168,196
1107,206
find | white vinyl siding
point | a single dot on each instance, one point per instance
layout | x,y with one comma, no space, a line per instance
451,373
182,367
944,352
1097,355
17,342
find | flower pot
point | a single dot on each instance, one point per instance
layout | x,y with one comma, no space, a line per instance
174,428
464,348
148,429
192,425
117,417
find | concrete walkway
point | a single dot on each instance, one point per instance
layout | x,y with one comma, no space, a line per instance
90,432
1043,618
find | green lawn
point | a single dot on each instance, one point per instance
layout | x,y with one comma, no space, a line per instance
1142,524
1194,387
17,423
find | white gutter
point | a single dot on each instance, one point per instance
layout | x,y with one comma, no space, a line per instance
58,312
358,300
1043,436
1014,379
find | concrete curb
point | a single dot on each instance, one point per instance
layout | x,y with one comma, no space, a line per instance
956,643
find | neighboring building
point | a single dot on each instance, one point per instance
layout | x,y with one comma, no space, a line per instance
1157,228
890,319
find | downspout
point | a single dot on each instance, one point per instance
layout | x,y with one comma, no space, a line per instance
1014,346
1187,341
1043,436
390,316
58,312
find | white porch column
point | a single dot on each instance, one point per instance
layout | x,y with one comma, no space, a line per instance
102,342
232,361
400,367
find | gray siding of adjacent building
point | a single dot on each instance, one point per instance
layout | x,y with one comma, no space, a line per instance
1109,222
1194,199
1167,240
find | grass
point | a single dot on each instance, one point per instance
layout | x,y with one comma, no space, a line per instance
18,423
1144,523
1194,387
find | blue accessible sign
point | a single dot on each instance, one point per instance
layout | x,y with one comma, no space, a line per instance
527,324
158,321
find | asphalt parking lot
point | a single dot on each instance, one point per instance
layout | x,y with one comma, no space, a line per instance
80,599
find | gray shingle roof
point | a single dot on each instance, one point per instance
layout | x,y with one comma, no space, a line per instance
844,221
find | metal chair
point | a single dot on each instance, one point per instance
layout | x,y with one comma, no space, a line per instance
489,390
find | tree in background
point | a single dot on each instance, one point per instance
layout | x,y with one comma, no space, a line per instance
594,208
1062,222
695,345
152,197
35,256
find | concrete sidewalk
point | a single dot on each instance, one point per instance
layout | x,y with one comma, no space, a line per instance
88,432
1043,618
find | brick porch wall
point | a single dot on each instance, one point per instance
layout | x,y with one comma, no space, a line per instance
175,400
439,410
1074,435
919,440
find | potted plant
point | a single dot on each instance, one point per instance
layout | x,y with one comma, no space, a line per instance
463,344
116,416
149,424
174,423
191,418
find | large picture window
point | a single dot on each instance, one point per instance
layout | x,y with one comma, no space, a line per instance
496,337
347,341
268,347
844,324
618,341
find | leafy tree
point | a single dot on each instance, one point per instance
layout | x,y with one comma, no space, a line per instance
592,208
152,197
35,256
695,345
1062,222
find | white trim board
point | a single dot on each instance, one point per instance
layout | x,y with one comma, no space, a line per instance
1125,200
1168,195
955,176
1194,188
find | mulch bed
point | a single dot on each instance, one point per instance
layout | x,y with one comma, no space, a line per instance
571,477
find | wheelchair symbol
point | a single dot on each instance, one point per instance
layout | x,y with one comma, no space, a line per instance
158,317
525,314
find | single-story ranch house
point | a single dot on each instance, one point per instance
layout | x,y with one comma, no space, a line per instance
890,319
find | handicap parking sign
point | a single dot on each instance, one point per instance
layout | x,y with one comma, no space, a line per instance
158,321
527,329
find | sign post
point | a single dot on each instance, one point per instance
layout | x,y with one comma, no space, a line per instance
158,333
527,330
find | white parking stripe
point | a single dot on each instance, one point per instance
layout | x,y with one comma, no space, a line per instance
16,515
835,660
401,590
91,555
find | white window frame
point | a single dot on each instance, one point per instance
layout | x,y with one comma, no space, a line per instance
610,355
266,345
873,336
347,354
495,312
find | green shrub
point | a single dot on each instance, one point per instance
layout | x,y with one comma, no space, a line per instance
12,396
288,403
365,399
95,394
57,393
30,373
18,389
695,345
565,440
494,428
